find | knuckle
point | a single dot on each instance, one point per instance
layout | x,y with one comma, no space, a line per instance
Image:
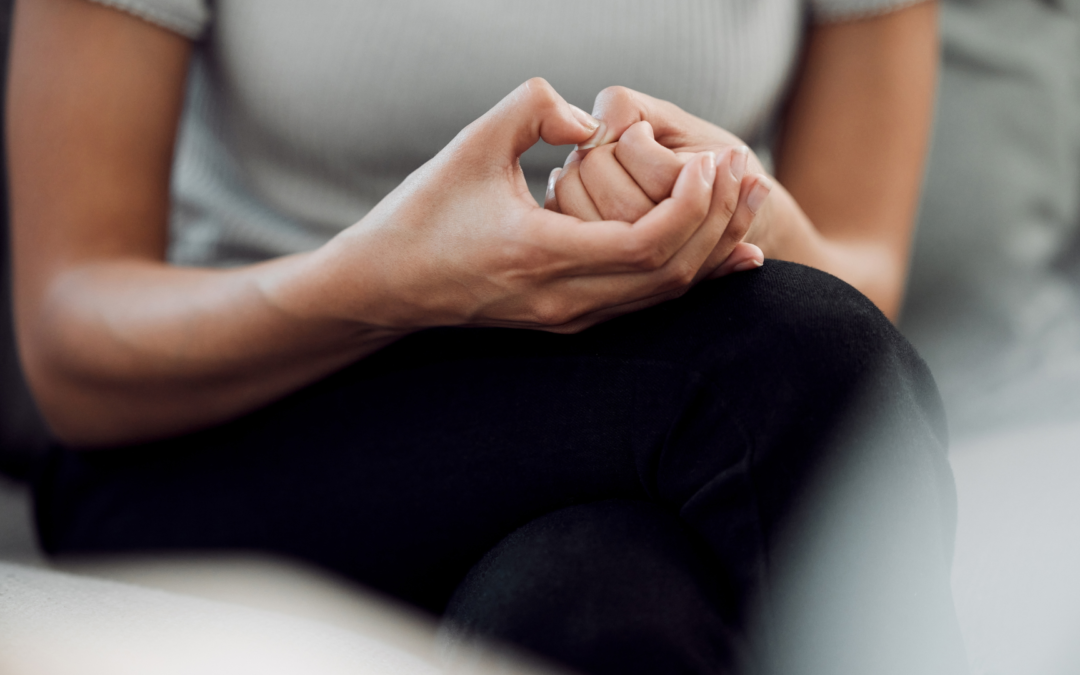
540,92
588,162
615,95
645,255
593,162
599,159
637,138
562,184
520,258
737,228
551,312
681,274
698,210
729,202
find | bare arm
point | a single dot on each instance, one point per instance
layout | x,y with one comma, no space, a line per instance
853,150
849,166
95,97
120,347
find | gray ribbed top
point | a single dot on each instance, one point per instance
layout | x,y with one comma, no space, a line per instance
301,116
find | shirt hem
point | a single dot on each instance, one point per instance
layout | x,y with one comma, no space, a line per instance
844,15
185,26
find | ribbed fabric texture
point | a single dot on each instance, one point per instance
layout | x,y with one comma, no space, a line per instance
187,17
302,116
827,11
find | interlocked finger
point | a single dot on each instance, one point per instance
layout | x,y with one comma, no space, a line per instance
700,251
614,192
649,164
572,197
614,247
550,202
753,194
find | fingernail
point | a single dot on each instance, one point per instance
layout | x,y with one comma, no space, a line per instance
708,169
747,265
586,120
597,139
759,194
552,177
738,162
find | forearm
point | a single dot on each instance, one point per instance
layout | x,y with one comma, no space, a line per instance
853,147
124,351
875,265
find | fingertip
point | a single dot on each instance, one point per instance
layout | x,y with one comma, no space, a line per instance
550,202
708,168
751,257
740,156
747,265
552,177
743,258
590,123
639,130
601,136
761,190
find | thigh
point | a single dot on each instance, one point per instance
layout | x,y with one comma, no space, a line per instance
402,470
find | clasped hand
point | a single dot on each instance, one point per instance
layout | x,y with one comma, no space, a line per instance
653,201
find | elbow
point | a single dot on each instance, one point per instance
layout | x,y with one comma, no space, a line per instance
77,414
67,395
52,395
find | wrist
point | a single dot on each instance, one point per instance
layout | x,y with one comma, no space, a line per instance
310,291
784,232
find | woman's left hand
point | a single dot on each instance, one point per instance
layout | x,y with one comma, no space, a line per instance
626,167
850,163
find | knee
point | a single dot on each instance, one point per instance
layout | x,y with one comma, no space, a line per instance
804,333
810,314
844,394
794,367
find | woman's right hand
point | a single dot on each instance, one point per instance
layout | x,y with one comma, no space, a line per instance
462,242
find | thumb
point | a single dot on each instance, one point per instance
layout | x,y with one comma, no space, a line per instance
743,257
531,112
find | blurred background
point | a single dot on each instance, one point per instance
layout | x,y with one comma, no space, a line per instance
993,305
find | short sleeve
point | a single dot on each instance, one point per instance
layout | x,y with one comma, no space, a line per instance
828,11
186,17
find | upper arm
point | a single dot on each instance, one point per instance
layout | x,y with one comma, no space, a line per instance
94,98
858,125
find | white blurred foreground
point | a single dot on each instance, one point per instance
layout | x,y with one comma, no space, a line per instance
1015,583
227,616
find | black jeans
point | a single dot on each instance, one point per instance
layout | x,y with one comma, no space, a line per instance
792,437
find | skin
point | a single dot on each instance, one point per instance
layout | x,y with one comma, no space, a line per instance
120,347
849,165
628,177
